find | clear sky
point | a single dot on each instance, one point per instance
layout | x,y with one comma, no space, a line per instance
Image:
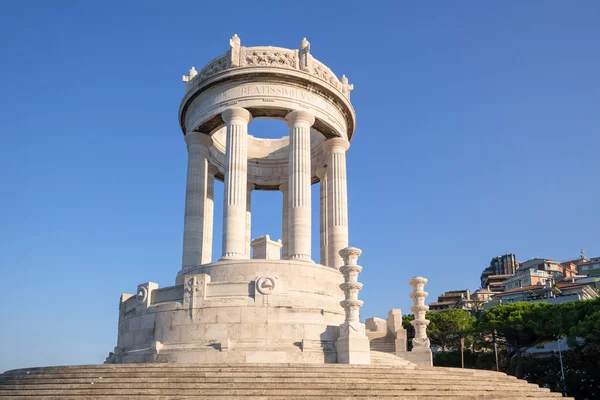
478,134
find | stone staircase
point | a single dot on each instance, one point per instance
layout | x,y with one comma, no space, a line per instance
262,381
383,342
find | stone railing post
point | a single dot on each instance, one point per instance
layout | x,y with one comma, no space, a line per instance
420,341
352,345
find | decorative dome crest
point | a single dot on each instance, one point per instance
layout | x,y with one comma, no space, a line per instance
267,56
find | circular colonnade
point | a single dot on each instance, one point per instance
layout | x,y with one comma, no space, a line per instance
267,308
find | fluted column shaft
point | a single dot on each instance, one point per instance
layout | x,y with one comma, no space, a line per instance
337,199
284,221
209,213
235,182
249,190
299,215
197,234
323,216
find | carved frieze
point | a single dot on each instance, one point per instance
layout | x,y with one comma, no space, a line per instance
269,58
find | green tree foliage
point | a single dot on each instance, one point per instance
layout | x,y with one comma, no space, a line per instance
587,322
521,326
446,327
517,327
410,330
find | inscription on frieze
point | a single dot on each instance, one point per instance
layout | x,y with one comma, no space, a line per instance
211,101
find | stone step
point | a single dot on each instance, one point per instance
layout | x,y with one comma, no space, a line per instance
196,368
407,396
100,383
263,381
308,390
229,380
262,374
167,368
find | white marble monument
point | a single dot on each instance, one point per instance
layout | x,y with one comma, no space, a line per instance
279,305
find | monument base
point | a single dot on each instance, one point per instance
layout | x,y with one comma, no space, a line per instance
353,346
420,357
235,311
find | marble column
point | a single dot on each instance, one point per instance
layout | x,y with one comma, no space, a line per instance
299,215
209,213
250,188
284,220
323,216
235,183
337,199
197,234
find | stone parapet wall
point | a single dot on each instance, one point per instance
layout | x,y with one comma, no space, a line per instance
231,310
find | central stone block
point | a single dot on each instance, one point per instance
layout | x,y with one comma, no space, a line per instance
263,248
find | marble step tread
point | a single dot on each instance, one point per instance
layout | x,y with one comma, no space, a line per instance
254,376
31,380
269,385
307,390
191,369
240,367
428,396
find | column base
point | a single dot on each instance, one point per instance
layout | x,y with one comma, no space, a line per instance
233,256
353,345
301,257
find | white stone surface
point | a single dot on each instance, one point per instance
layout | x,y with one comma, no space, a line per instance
353,345
285,205
270,308
376,324
197,227
238,307
235,186
299,211
248,246
337,200
324,216
266,249
420,341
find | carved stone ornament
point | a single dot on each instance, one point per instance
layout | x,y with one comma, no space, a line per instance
265,285
142,295
270,58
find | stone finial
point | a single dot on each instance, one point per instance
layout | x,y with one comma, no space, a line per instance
418,295
191,74
304,55
353,344
350,255
346,87
233,55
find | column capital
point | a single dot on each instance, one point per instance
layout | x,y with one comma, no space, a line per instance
198,138
337,142
299,116
250,186
284,187
236,113
321,172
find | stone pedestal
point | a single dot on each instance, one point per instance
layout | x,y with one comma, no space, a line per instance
263,248
353,345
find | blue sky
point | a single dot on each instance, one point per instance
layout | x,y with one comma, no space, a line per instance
478,133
